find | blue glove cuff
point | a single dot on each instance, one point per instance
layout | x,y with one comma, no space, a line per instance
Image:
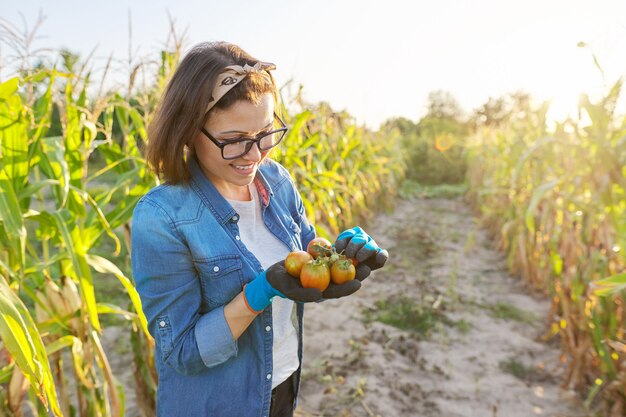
259,293
358,238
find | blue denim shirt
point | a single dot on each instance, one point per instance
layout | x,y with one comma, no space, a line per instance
188,262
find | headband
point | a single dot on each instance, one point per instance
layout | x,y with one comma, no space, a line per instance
231,76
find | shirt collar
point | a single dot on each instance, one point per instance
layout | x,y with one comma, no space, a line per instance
218,205
263,187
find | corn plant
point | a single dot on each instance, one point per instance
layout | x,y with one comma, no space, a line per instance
341,170
555,200
59,212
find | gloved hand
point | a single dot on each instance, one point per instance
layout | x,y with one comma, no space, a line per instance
275,281
342,290
355,243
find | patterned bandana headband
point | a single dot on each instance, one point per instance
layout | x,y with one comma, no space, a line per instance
231,76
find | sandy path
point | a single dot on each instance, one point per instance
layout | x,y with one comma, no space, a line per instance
482,355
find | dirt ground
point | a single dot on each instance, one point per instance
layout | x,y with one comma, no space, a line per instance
464,338
452,334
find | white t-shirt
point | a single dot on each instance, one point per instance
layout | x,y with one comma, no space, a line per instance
268,249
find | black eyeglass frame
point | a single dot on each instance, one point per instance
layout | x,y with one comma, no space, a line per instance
251,141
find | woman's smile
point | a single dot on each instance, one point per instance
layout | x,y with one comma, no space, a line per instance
245,170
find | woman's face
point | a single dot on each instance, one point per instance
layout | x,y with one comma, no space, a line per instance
242,119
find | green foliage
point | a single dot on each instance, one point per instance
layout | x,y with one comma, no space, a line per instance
522,371
53,219
610,285
509,312
407,314
434,147
555,201
411,188
341,169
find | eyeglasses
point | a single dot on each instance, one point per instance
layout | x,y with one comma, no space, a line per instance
238,147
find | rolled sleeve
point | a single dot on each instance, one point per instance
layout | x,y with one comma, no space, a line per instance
171,295
214,338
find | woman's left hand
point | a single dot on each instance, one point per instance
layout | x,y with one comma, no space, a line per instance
357,244
341,290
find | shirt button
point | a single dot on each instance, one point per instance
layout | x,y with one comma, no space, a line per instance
234,218
268,328
237,237
269,376
216,268
162,323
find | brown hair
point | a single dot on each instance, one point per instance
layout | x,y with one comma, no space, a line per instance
181,109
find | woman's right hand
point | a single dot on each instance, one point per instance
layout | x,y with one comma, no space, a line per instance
275,281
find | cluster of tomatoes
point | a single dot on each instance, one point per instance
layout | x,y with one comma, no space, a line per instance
320,265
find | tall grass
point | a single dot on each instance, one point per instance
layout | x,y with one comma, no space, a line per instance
555,201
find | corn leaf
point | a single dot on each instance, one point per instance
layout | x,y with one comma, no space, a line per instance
21,338
105,266
610,285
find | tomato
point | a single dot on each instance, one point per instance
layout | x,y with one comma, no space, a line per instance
295,260
315,274
342,271
319,247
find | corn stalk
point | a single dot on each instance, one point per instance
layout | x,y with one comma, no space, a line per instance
555,202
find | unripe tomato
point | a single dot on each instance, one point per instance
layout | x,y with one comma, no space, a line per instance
319,247
295,260
342,271
315,274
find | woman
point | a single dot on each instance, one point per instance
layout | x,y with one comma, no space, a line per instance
207,244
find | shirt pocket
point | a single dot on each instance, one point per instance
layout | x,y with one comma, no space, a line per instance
221,279
294,231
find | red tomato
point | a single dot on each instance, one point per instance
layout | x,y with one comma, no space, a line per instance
319,247
342,271
315,274
295,260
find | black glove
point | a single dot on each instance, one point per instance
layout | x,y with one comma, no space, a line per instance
341,290
355,243
279,278
291,287
275,281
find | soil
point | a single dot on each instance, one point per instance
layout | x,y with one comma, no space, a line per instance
442,330
466,339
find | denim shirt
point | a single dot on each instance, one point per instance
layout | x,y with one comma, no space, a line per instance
188,262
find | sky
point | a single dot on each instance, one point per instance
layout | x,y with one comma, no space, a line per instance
374,59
